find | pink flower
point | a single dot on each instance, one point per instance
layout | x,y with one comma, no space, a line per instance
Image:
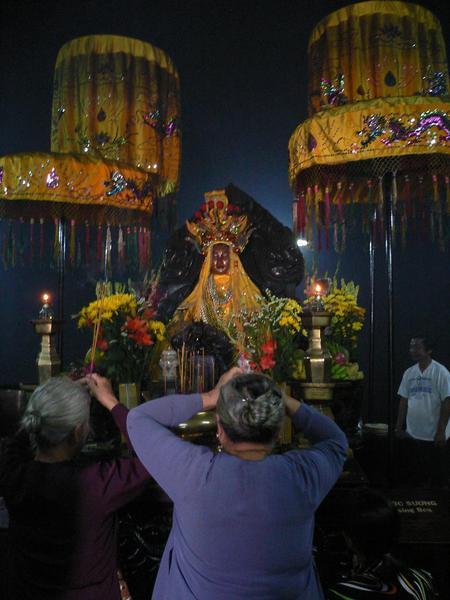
339,358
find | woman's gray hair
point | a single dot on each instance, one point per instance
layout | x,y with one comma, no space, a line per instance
251,409
54,410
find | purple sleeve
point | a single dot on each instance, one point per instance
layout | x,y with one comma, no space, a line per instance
170,460
320,465
118,481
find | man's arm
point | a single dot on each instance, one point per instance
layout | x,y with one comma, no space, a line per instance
444,415
401,416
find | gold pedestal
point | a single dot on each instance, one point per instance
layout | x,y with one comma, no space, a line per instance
320,395
48,362
318,390
317,360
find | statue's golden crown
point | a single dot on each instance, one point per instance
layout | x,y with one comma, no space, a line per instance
219,221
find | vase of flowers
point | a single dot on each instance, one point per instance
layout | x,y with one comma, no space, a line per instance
124,334
271,339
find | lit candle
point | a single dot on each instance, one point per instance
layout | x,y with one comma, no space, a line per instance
46,311
318,289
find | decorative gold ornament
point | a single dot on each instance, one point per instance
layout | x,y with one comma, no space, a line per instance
219,221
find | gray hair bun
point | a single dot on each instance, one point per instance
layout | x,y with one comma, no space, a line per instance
53,412
251,408
32,421
260,410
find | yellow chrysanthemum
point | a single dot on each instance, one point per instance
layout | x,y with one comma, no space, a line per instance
104,309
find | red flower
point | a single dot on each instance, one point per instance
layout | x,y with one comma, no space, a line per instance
230,209
137,331
269,347
141,338
198,214
220,205
102,345
148,313
211,204
267,362
203,207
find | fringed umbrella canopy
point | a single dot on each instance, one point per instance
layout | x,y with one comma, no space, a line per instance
378,100
115,149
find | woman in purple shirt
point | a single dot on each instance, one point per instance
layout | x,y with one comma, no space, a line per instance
243,519
63,527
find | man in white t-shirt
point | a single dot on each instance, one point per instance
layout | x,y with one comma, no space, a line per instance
425,409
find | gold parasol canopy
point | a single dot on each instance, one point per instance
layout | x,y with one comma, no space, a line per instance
115,147
118,98
378,102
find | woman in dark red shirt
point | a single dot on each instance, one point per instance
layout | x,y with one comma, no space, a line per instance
62,539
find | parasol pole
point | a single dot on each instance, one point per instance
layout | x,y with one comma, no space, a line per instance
62,240
389,186
372,308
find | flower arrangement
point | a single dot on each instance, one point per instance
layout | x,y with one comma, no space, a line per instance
341,300
272,338
124,333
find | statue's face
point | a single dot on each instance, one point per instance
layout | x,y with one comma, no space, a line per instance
220,259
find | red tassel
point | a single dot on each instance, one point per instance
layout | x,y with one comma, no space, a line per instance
87,243
301,215
99,246
295,216
340,210
148,243
72,243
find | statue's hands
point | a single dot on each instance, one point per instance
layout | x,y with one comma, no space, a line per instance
210,398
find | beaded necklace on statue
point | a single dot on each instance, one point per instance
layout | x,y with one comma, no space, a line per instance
220,294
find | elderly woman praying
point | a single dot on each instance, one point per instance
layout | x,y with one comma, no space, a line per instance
63,524
243,518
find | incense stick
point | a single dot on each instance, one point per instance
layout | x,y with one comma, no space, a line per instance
100,295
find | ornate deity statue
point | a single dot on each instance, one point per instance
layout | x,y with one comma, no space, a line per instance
220,233
219,262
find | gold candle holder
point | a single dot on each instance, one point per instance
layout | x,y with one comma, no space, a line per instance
48,362
318,389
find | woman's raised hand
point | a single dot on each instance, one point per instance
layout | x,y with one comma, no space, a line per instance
210,398
101,389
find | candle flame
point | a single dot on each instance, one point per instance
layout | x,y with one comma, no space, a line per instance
45,298
318,289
